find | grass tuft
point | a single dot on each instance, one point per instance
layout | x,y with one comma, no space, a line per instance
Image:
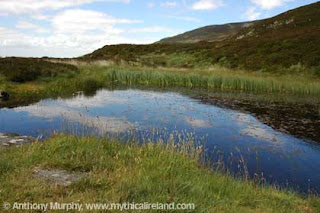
151,172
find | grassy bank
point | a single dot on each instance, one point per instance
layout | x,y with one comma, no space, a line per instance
213,78
89,78
133,173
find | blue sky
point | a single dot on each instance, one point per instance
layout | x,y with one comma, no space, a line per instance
68,28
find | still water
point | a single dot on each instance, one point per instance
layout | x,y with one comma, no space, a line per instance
227,135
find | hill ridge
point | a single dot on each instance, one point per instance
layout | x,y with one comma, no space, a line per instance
217,32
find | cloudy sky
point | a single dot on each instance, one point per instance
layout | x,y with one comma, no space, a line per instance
68,28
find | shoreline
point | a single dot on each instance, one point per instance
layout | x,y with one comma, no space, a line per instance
105,169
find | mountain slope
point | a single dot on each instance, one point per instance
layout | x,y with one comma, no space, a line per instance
288,39
208,33
289,42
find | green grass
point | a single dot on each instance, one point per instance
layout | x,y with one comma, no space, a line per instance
214,78
152,172
89,78
61,85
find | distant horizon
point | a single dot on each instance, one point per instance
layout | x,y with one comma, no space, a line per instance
67,29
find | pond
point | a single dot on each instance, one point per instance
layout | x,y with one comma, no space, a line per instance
239,140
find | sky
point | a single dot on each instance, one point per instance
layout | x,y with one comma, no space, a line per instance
71,28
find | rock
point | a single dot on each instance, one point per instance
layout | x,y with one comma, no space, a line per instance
7,140
4,95
57,176
15,141
3,136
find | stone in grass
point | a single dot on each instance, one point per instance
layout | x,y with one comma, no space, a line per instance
4,95
7,140
57,176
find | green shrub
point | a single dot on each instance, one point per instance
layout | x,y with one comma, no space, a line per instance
28,69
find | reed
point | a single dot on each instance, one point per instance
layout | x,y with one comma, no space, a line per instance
212,80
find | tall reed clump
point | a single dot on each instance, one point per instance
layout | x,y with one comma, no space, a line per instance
212,81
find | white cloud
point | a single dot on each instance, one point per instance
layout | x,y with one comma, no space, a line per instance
31,6
269,4
154,29
8,35
185,18
59,45
30,26
25,25
101,123
207,4
197,123
14,43
74,33
170,4
102,98
261,134
40,16
251,14
79,21
150,4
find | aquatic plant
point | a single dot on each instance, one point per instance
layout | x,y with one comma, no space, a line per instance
211,80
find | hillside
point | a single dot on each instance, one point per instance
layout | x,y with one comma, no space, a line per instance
28,69
288,42
208,33
288,39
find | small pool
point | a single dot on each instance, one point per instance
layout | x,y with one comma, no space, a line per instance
227,135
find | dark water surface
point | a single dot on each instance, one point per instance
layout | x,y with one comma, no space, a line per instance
228,135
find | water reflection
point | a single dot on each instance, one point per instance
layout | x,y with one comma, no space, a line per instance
197,123
102,123
229,135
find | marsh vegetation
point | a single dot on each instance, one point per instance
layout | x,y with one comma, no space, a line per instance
60,79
